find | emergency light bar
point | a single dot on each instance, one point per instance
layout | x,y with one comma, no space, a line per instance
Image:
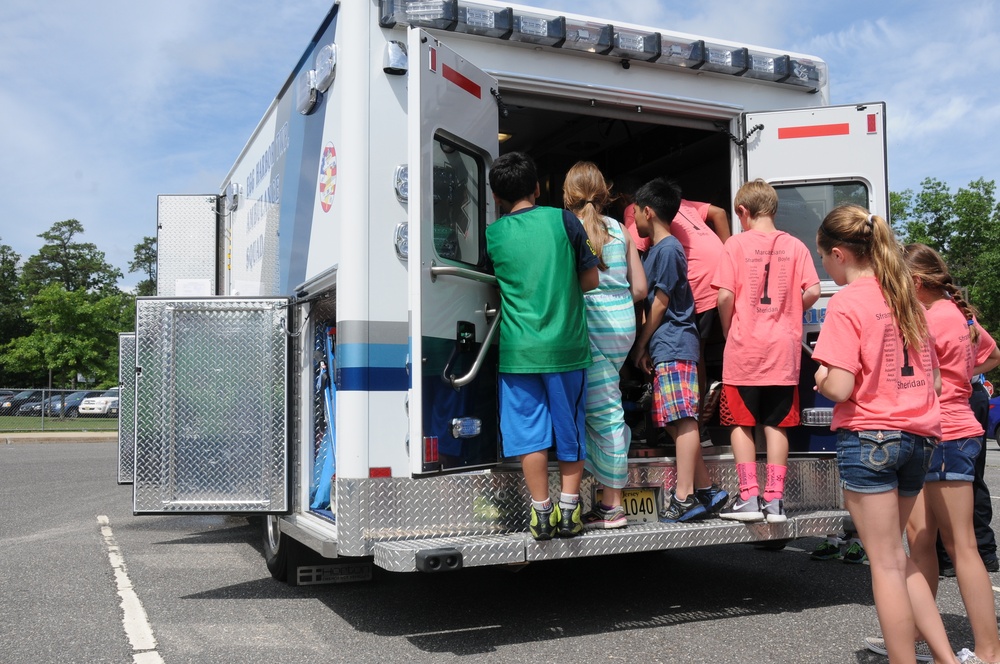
561,32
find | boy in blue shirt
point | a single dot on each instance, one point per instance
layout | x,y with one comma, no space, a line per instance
543,264
668,347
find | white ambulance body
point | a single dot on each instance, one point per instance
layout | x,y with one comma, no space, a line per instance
356,214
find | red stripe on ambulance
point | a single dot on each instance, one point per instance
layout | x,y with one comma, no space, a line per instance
813,131
461,81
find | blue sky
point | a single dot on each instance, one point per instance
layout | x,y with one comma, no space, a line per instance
104,105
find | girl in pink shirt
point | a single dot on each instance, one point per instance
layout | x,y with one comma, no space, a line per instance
877,364
946,503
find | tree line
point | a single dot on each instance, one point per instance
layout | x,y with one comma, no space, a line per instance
61,310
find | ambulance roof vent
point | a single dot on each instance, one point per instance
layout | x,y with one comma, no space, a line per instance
623,43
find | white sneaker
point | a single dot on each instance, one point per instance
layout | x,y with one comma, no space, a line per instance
743,510
877,645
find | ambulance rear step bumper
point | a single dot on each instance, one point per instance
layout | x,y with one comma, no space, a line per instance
439,553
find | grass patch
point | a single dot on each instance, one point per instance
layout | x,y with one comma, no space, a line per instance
12,423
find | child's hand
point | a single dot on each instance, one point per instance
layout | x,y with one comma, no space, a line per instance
640,358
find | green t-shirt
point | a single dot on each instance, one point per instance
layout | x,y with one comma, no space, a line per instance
537,254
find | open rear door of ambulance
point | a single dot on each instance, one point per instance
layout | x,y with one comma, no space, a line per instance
817,159
452,133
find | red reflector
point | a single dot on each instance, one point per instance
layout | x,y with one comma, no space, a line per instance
380,472
872,128
431,449
814,131
434,59
462,81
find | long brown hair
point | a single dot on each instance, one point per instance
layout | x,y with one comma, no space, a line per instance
585,194
928,266
870,239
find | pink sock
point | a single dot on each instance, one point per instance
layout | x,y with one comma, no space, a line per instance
775,487
746,473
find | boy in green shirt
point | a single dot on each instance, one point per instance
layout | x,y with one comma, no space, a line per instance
543,263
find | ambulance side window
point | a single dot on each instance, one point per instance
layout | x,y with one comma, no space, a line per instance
802,207
459,204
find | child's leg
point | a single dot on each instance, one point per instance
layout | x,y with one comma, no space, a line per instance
777,462
902,597
535,467
921,536
572,475
952,503
688,443
745,453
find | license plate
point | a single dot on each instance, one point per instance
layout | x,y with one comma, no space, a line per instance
639,504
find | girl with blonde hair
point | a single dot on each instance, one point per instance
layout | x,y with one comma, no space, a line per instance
611,321
878,366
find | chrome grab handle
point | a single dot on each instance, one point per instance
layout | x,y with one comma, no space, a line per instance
456,382
465,273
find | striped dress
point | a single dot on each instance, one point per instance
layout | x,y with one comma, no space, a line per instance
611,321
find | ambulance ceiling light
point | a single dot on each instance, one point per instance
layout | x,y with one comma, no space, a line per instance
437,14
479,18
725,59
539,29
682,53
476,19
636,45
588,37
326,67
768,67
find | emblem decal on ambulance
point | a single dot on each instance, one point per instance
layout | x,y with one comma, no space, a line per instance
327,177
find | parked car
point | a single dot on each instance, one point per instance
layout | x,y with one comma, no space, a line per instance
71,403
993,428
105,405
10,405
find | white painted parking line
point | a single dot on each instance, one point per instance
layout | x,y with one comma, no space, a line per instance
134,619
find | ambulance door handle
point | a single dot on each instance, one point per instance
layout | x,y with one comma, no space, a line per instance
480,357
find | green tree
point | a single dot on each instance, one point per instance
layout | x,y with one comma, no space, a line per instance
74,332
145,261
71,264
12,305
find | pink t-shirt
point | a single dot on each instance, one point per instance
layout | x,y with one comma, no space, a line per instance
958,357
703,249
767,273
893,388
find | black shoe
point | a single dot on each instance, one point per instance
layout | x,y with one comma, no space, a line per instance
542,524
570,521
992,565
682,510
947,572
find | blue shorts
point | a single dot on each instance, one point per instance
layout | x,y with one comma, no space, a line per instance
539,410
882,460
675,391
954,460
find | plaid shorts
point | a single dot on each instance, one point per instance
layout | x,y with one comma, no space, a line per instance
675,391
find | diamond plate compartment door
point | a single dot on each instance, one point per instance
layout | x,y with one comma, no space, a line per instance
211,406
126,407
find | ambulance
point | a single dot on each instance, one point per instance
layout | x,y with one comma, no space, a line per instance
321,353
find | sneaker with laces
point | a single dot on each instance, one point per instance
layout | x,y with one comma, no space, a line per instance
876,644
828,550
774,510
992,565
602,519
966,656
855,553
743,510
570,521
678,511
542,525
712,499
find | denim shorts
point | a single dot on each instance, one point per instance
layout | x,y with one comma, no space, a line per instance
954,460
882,460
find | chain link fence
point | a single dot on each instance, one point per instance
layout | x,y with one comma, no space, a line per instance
42,409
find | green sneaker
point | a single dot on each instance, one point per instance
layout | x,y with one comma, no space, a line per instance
826,551
570,521
542,525
855,553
